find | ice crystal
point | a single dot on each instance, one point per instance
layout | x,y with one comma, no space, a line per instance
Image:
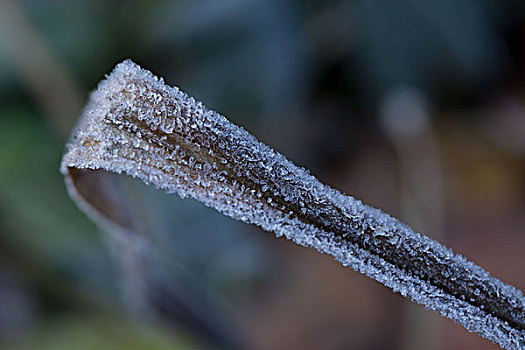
135,124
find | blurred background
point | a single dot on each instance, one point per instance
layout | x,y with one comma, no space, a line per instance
415,107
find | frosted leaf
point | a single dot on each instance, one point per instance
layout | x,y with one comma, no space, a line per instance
135,124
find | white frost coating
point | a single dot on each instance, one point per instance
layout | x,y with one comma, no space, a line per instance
135,124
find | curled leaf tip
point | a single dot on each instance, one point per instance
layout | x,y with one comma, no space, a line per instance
135,124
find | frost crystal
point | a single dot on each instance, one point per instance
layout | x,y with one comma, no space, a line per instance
136,124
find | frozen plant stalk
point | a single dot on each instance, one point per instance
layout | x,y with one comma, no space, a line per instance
136,124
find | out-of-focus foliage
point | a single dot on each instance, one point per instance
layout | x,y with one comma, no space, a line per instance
97,332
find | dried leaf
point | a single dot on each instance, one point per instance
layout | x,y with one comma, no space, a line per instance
137,125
